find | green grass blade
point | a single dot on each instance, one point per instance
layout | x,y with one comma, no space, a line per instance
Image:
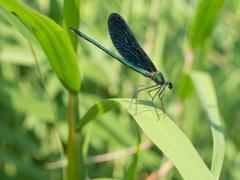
204,20
185,87
97,110
54,41
71,19
205,89
170,140
165,134
133,165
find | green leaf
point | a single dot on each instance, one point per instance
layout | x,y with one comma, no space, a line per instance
165,134
185,87
203,22
133,165
97,110
54,41
205,89
71,19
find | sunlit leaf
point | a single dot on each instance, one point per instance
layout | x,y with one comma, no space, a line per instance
97,110
71,19
168,138
54,41
206,92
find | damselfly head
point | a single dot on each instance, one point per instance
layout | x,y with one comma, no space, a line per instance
169,85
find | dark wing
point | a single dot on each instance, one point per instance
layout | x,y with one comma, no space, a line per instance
127,45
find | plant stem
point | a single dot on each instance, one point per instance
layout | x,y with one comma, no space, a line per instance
75,168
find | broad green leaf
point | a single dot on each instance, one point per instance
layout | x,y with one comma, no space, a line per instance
165,134
71,19
54,41
205,89
167,137
204,20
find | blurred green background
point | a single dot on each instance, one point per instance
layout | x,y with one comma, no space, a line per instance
29,139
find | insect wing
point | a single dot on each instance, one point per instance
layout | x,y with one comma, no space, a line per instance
127,45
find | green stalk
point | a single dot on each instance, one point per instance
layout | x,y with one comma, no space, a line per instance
75,168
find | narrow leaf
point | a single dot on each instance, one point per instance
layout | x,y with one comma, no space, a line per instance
133,165
71,19
203,22
205,89
185,87
97,110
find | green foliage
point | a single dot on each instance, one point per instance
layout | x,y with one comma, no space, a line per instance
71,19
171,140
133,165
204,20
204,86
34,132
96,111
53,41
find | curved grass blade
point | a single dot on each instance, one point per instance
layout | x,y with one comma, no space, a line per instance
53,41
96,111
164,133
205,89
170,140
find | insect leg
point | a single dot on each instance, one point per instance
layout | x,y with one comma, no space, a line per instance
153,100
135,91
161,98
149,86
151,91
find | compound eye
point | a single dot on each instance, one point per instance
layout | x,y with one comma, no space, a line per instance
170,85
